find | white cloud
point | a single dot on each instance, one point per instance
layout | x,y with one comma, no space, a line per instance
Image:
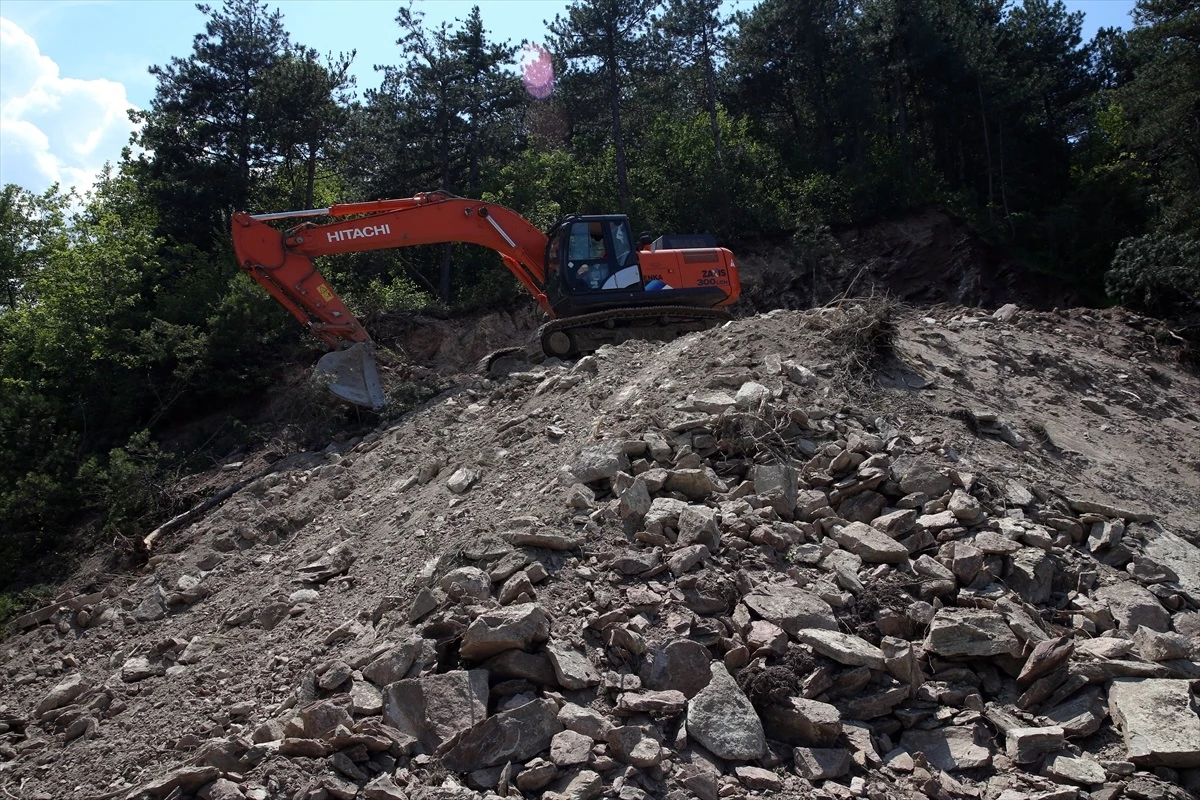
55,129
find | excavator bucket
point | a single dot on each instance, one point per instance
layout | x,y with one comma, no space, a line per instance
352,375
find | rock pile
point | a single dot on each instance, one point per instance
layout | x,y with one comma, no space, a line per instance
775,593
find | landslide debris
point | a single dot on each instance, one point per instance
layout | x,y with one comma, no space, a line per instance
859,551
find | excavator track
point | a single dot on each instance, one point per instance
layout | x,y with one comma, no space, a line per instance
574,337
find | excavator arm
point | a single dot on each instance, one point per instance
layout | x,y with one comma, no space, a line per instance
282,261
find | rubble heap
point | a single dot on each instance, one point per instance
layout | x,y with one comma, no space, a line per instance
766,586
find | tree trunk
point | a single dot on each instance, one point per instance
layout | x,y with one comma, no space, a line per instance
614,89
710,86
310,178
987,148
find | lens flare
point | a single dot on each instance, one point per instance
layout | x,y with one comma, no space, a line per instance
537,71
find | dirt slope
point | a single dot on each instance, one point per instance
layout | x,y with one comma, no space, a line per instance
519,588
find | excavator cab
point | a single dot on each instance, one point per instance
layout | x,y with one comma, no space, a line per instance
593,263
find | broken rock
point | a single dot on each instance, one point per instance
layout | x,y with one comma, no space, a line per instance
721,718
1159,721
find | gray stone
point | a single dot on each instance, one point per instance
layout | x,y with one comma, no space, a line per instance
697,525
965,507
634,562
1031,575
63,694
511,627
534,667
842,647
661,704
382,787
821,763
322,718
1027,745
1159,721
897,523
862,507
777,484
682,665
721,719
437,708
571,667
799,374
365,699
750,395
1154,646
790,607
758,778
870,545
515,735
1063,767
543,538
664,512
198,649
711,402
802,722
334,675
596,462
635,501
467,583
584,785
1133,606
568,748
694,484
462,479
1047,656
139,668
683,559
188,779
1079,716
153,607
589,722
518,588
971,632
923,477
631,744
948,749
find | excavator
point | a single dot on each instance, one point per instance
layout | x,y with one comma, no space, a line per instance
596,286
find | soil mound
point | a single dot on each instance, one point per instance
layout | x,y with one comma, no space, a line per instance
859,551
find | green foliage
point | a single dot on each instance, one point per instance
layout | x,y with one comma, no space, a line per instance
1160,274
130,485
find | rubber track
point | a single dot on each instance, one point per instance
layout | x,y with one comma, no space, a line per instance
648,318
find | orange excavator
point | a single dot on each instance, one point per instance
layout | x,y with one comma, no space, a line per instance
586,273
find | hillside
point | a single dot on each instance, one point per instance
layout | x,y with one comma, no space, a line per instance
858,551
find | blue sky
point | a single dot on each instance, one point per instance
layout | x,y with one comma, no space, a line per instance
70,68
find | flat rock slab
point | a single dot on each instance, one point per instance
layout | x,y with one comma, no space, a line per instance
971,632
948,749
799,721
872,546
515,735
791,608
843,648
1159,720
1133,606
